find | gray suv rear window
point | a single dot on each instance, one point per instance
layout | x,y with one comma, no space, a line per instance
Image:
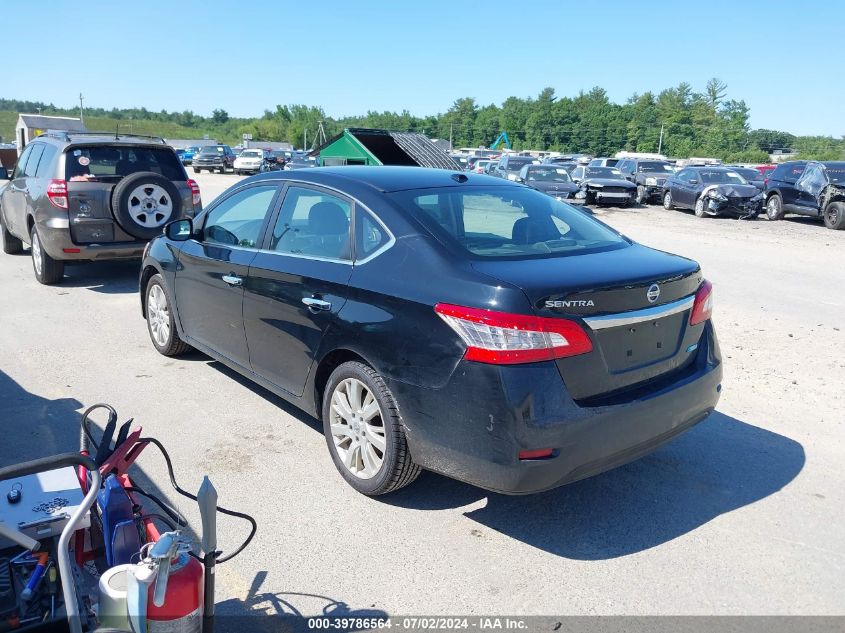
113,163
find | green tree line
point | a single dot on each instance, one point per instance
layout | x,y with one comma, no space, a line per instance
677,121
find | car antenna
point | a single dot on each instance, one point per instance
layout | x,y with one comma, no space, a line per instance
116,130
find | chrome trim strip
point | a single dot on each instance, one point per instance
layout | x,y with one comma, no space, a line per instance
638,316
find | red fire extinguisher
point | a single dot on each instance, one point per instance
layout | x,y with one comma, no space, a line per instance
181,607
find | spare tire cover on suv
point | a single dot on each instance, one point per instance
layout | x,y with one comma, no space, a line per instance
144,202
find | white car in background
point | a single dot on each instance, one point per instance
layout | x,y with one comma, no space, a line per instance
250,161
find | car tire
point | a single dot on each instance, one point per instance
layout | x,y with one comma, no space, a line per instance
667,201
161,324
127,205
834,216
11,244
368,447
642,198
196,171
774,207
48,271
700,209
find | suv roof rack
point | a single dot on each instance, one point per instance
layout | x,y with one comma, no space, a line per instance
68,136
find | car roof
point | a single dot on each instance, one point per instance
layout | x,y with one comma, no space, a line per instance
840,164
387,178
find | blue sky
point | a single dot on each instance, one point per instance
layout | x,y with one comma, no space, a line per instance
350,57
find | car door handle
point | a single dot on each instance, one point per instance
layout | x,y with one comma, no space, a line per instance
315,305
233,280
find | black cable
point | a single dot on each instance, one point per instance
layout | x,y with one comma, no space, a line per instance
185,493
174,515
85,436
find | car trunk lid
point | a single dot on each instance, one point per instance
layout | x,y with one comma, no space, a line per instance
634,302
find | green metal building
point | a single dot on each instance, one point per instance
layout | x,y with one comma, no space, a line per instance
364,146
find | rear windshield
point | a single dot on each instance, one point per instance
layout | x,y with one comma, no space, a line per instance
719,176
113,163
836,174
507,222
749,174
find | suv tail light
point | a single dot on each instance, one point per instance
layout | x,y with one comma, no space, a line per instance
57,193
195,191
502,338
702,309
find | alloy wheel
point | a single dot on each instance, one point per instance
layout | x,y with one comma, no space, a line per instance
158,315
357,428
37,254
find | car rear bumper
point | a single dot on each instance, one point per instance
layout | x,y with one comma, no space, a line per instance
474,427
56,241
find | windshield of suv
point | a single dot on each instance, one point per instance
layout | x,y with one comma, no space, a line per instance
213,149
110,163
720,176
603,172
507,222
656,167
549,174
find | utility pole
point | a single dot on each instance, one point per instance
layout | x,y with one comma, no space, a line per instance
451,126
660,143
305,139
81,117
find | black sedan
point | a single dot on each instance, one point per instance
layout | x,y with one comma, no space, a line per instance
712,191
549,179
604,185
437,320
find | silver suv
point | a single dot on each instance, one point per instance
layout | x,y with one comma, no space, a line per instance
91,196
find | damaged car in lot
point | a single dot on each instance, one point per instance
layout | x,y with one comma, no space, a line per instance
648,175
814,189
550,349
711,191
554,181
604,185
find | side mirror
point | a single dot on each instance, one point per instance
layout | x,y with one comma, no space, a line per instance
693,181
4,174
179,230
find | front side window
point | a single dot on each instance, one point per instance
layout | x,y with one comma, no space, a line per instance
313,223
237,220
506,222
22,159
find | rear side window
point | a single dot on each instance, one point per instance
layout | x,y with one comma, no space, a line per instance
109,163
45,165
313,223
31,167
507,223
237,221
370,235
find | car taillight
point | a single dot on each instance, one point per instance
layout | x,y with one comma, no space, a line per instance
195,191
57,193
502,338
702,309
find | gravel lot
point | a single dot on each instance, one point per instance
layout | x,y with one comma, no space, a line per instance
742,515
